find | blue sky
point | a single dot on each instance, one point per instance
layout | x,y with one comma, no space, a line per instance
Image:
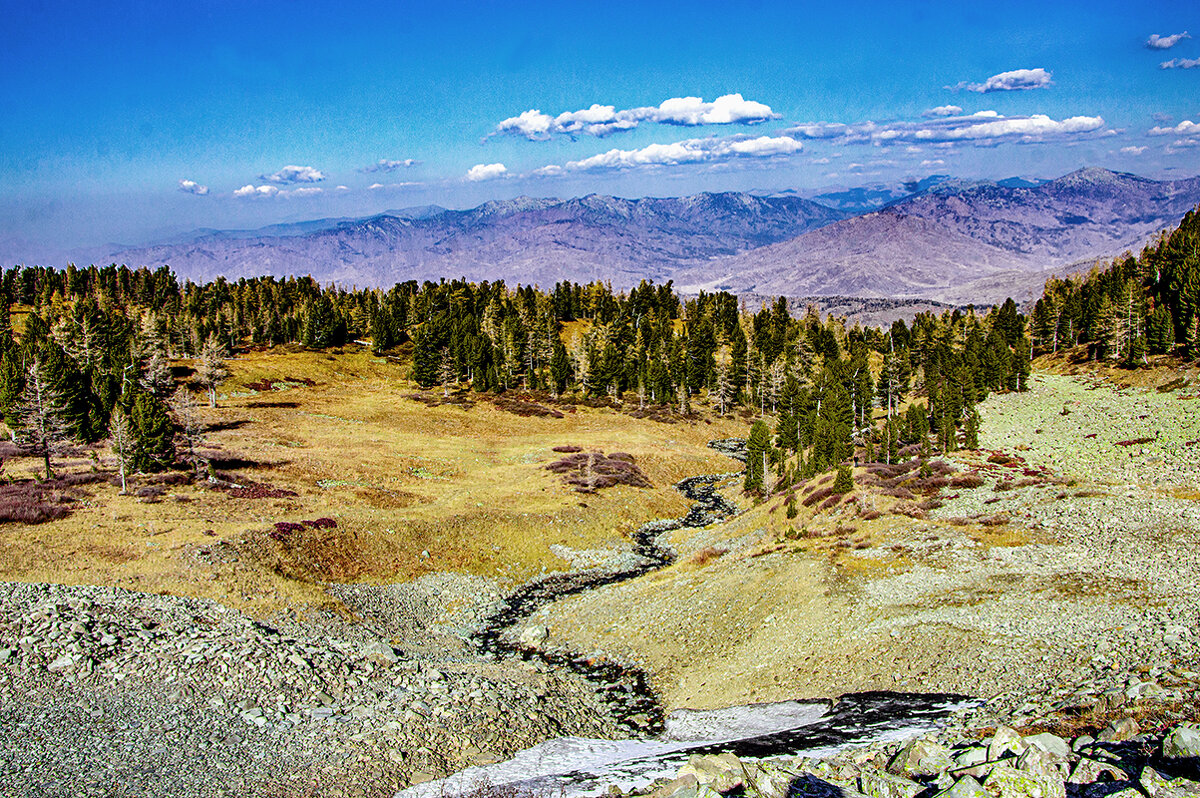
129,121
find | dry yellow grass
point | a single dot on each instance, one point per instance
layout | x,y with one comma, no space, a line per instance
413,489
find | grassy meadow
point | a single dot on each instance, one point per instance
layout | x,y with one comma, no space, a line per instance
412,484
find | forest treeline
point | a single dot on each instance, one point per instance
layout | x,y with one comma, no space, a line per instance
97,344
1148,305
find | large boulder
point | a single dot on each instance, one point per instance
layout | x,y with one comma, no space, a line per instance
1182,742
965,787
877,784
1156,785
721,772
1005,742
920,758
1008,782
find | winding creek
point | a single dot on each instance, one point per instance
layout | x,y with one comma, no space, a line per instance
661,743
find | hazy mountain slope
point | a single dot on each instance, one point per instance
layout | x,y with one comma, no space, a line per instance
961,242
523,240
877,255
1084,214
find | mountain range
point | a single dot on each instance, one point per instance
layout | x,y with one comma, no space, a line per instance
947,240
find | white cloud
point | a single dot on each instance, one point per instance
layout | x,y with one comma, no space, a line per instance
1156,42
725,110
935,162
1015,80
342,188
374,186
944,110
601,120
251,190
192,187
1028,128
1181,143
982,127
294,174
307,191
1132,150
386,165
1184,128
532,124
708,150
1180,63
486,171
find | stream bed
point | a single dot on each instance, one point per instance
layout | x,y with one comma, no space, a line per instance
659,743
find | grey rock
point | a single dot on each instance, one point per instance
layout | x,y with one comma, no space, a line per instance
1155,785
878,784
1008,782
920,757
1050,743
1004,742
964,787
1120,730
1182,741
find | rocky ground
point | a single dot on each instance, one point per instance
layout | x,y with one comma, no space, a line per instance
1081,604
1012,585
108,692
1121,759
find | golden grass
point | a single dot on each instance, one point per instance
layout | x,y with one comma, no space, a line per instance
413,489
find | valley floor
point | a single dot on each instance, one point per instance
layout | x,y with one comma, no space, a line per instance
1071,564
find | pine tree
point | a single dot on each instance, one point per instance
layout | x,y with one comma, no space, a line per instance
210,367
971,430
844,481
122,443
42,424
426,358
186,416
758,457
1160,331
154,447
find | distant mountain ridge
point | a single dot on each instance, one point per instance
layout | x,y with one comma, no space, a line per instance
961,242
526,240
949,241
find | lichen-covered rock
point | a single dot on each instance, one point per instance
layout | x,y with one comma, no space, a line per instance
676,788
971,762
807,785
1051,744
1042,763
1156,785
1005,742
965,787
1089,771
1119,730
920,758
1183,741
1008,782
877,784
767,779
722,772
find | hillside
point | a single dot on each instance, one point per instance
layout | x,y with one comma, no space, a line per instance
524,241
962,242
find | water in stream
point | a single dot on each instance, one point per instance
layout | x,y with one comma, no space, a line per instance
574,766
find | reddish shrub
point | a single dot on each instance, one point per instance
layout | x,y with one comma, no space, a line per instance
567,449
817,495
831,501
321,523
968,480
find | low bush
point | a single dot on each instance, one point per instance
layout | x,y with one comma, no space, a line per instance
592,471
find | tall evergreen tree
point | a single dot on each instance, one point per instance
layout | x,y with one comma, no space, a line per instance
42,417
758,457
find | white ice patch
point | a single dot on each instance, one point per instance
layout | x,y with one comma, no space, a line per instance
575,766
739,723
